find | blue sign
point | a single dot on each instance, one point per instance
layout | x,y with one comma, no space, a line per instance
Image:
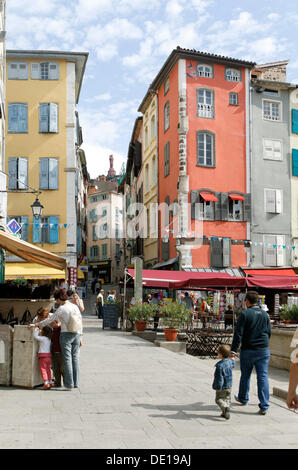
13,226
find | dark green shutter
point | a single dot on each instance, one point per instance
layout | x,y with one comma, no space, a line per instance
224,197
247,208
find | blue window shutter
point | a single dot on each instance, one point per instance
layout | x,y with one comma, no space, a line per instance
22,173
295,162
35,71
24,222
295,121
36,230
53,127
22,118
43,173
53,71
54,229
12,171
53,173
44,117
12,117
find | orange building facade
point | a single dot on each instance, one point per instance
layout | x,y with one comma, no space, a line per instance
204,160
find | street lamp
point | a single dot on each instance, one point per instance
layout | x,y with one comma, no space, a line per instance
36,208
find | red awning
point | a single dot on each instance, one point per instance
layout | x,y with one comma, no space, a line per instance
236,197
209,197
269,272
187,279
273,282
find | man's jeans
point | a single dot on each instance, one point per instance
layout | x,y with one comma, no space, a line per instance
258,358
70,348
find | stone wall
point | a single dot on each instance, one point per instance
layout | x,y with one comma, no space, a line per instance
280,348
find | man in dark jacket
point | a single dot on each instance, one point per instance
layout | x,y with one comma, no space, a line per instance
252,332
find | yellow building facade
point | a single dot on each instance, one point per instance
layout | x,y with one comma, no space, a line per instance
150,177
43,88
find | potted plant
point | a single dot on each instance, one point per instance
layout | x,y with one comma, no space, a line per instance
289,314
175,315
140,313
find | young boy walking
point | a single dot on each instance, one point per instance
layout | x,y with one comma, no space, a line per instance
222,382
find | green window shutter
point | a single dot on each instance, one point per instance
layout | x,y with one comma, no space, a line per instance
54,229
36,230
295,162
295,121
24,231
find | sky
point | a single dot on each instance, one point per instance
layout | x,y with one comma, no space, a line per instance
128,41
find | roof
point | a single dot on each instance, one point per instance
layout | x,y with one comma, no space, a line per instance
80,59
180,53
273,64
261,81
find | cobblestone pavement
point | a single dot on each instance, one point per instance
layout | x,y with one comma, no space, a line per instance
134,395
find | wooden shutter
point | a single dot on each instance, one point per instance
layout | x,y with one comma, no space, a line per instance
280,251
270,251
53,125
43,173
36,230
53,173
24,232
217,207
247,208
226,252
22,173
216,253
294,162
12,171
22,118
12,70
44,117
224,198
54,229
295,121
53,71
12,117
270,198
279,201
35,71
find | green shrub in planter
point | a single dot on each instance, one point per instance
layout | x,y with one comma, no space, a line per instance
289,313
175,315
140,311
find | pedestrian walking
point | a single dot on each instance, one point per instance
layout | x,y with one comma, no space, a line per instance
156,303
222,382
44,354
252,332
100,303
70,336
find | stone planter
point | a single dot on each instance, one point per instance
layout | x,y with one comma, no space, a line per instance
280,347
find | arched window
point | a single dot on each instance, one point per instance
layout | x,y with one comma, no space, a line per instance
233,75
205,70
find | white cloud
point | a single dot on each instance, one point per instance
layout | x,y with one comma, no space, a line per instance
274,16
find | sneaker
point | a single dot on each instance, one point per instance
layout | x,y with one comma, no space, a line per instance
237,399
46,387
262,412
227,413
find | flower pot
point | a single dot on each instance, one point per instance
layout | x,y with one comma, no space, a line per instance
170,334
141,325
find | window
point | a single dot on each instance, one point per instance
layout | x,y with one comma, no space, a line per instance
205,71
104,252
94,233
104,212
48,173
166,86
205,149
17,118
234,99
271,110
208,209
272,149
235,210
23,222
146,136
154,175
46,229
17,71
167,159
94,252
18,173
48,118
233,75
44,71
274,250
152,127
93,216
147,177
273,201
166,115
205,103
